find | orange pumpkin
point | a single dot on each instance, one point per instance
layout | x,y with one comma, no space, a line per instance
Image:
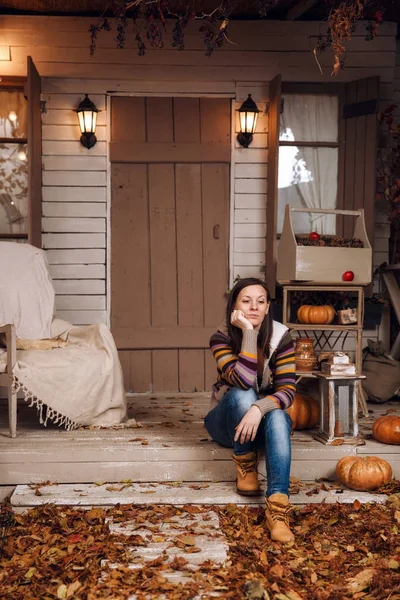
363,472
304,412
316,315
386,429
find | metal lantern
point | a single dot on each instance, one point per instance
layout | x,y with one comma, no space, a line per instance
339,409
87,115
248,114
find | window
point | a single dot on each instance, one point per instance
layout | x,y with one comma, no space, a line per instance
308,160
13,162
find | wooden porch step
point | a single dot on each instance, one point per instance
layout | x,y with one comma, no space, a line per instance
178,493
171,445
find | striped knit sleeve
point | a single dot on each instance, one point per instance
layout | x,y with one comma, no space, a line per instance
283,375
236,370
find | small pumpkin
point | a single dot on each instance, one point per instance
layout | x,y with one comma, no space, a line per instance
386,429
363,473
304,412
316,315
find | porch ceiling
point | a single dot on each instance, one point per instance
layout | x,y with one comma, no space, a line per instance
245,9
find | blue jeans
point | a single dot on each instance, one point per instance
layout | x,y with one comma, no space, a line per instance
273,433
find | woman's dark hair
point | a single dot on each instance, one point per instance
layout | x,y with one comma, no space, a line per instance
234,333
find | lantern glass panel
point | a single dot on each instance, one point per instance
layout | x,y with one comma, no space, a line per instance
248,121
87,121
342,409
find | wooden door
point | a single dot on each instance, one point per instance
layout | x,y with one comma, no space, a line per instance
169,237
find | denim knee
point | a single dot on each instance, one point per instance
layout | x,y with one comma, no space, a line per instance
278,424
240,400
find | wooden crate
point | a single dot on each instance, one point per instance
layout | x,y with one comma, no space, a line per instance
323,264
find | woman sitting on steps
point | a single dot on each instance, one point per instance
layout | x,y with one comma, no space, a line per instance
256,383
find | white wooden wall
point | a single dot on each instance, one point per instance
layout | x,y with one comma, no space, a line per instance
75,179
249,183
75,209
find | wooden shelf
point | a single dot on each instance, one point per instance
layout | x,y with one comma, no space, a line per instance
324,287
309,327
323,340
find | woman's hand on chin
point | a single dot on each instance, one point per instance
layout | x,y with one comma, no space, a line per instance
239,320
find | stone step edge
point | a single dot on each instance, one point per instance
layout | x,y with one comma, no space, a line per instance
84,495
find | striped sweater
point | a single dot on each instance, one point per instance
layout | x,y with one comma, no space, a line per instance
278,383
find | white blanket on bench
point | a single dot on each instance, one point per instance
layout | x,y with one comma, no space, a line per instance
78,384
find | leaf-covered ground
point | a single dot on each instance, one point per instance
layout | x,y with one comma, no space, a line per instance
341,552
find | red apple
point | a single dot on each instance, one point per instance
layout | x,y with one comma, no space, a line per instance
348,276
313,236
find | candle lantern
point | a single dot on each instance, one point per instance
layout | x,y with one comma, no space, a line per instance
339,409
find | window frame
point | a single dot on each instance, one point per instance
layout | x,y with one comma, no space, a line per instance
13,84
327,89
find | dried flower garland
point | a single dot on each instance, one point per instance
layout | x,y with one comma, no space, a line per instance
148,20
341,25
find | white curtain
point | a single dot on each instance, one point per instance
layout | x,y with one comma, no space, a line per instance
13,102
308,176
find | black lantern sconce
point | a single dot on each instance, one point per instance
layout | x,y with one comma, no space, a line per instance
87,115
248,114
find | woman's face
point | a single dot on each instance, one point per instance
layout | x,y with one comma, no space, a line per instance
252,301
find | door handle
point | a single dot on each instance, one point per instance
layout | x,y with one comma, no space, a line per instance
216,232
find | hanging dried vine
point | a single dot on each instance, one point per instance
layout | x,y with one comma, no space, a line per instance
148,19
342,22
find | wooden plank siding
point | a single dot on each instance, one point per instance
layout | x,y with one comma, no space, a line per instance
75,180
74,211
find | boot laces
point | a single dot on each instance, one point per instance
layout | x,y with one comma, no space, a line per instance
246,466
279,513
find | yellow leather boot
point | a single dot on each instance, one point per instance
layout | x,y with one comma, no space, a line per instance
277,515
247,479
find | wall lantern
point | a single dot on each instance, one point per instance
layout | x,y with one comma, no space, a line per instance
248,114
87,115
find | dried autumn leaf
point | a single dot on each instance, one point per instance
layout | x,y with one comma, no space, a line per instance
356,505
337,442
255,590
187,540
293,595
393,564
29,574
294,564
361,581
62,591
397,515
72,588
